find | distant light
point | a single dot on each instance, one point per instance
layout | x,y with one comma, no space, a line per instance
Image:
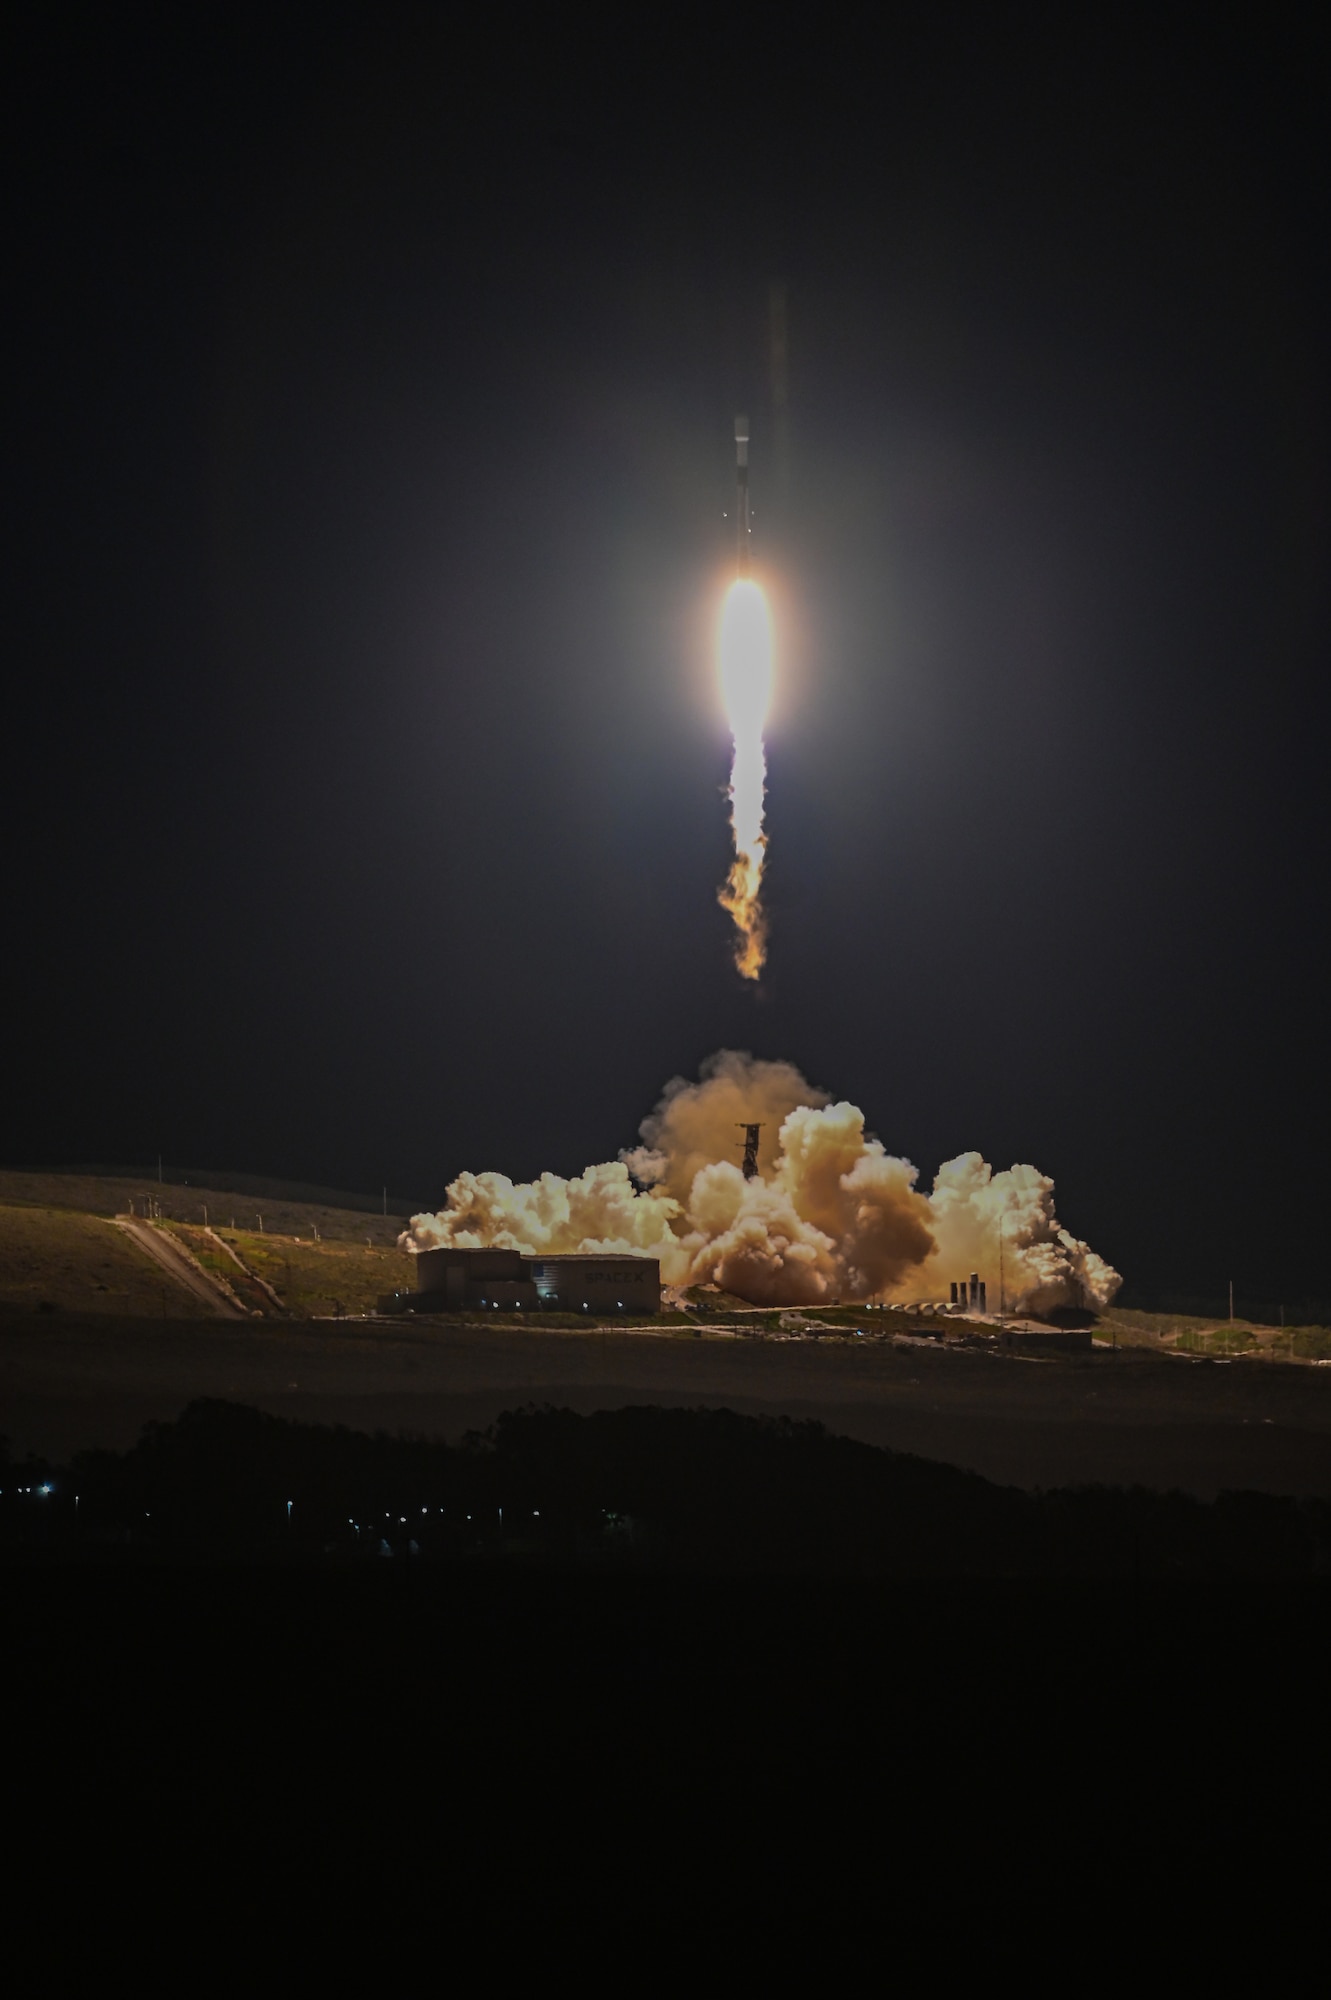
43,1489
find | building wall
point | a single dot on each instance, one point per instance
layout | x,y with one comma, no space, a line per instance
434,1268
449,1280
598,1284
454,1280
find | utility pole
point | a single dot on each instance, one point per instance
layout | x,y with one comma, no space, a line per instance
1231,1302
385,1201
159,1170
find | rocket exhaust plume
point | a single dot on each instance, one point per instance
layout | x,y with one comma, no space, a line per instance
746,687
829,1213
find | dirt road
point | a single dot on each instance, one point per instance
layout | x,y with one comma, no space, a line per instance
167,1253
1125,1419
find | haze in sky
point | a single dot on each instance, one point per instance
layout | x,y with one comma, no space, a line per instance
373,440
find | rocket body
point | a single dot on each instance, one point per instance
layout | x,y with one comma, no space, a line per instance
743,529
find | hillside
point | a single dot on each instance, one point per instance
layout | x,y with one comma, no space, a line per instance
232,1206
276,1256
59,1260
70,1257
301,1276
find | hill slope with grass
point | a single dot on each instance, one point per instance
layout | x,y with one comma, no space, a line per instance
58,1260
213,1202
60,1251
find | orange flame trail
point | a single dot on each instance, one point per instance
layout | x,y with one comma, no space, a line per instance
746,687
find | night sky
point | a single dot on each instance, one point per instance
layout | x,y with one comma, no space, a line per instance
370,435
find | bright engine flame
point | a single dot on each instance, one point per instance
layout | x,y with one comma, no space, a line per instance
746,686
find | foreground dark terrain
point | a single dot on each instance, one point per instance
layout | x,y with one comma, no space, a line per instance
696,1491
701,1659
1125,1418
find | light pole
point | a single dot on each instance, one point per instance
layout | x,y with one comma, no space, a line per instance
1002,1283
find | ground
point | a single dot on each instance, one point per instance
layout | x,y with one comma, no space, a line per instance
1186,1334
1126,1418
96,1339
58,1254
56,1260
104,1194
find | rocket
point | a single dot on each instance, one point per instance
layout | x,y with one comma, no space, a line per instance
743,530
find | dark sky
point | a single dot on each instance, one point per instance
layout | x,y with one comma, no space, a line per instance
369,440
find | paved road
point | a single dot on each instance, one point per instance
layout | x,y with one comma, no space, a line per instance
166,1252
1122,1419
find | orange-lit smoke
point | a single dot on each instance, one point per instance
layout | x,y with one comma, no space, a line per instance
831,1214
745,648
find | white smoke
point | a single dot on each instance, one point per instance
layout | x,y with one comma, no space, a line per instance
830,1215
1003,1226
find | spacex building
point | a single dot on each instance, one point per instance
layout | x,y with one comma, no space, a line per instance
510,1281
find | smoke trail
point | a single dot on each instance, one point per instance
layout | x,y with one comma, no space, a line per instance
832,1214
746,686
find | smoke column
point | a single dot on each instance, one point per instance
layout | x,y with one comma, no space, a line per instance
746,687
831,1215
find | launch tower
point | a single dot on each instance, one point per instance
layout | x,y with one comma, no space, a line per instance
750,1150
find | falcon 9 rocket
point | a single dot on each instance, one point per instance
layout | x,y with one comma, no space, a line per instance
743,530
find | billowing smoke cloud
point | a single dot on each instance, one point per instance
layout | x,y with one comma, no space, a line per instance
831,1214
696,1124
1003,1226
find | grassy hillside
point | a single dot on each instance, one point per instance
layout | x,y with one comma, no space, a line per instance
313,1279
298,1277
1185,1333
96,1194
57,1260
64,1258
322,1260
